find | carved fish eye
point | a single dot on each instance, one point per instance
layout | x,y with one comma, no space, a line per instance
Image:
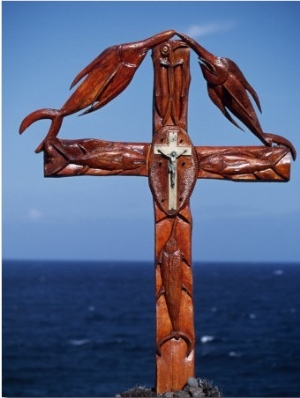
165,48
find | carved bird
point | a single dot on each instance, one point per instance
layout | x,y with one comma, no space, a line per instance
228,89
105,77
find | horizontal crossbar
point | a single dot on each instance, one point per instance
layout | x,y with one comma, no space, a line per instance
67,158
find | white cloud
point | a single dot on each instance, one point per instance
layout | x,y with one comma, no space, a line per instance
207,29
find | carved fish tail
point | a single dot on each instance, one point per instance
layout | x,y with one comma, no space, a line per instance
175,335
277,139
53,114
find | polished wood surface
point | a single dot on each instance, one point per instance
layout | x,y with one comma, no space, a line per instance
172,164
67,158
172,172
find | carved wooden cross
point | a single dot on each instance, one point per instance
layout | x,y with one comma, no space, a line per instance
173,164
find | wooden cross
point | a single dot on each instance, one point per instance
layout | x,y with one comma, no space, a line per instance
172,164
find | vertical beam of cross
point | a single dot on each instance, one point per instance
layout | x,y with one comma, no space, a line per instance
172,175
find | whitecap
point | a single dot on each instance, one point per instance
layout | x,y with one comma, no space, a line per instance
79,342
234,354
206,339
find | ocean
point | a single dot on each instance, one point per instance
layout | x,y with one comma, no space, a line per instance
87,329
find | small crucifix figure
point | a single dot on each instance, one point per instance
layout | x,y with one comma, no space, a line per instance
172,152
172,164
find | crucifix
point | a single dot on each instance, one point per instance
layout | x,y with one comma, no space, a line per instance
172,164
172,151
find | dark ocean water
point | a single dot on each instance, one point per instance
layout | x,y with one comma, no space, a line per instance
87,329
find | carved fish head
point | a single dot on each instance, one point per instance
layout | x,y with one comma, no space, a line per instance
134,53
215,69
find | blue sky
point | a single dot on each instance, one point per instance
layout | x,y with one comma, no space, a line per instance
45,44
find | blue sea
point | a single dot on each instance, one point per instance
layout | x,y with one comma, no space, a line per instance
87,329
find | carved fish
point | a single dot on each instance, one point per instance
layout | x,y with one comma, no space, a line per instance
171,85
228,89
107,156
105,77
172,286
227,164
